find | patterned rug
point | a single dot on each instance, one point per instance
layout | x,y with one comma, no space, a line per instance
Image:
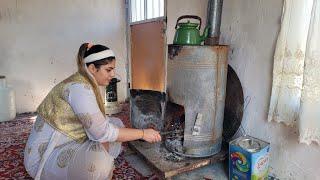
14,135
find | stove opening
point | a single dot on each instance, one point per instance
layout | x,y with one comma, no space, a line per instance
174,121
147,109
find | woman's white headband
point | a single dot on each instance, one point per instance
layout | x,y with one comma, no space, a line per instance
98,56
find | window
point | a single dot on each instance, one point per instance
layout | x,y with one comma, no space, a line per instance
141,10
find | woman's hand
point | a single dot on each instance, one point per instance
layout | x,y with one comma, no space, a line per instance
151,135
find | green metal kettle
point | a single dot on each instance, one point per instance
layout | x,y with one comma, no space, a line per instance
188,33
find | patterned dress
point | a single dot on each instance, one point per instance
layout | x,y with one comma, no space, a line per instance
50,154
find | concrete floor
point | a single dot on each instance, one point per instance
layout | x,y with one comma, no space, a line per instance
214,171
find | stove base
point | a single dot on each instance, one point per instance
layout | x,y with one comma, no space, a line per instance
167,164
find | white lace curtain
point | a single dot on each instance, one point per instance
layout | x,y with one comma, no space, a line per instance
295,98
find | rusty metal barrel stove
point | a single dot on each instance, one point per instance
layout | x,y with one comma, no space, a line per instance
196,79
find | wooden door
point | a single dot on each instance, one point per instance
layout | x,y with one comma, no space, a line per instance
148,56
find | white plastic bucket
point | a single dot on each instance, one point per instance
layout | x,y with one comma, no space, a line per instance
7,101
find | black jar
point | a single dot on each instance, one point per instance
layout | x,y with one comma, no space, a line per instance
111,90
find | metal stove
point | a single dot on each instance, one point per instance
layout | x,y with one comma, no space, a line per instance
189,114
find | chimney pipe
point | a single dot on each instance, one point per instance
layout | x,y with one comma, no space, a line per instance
214,21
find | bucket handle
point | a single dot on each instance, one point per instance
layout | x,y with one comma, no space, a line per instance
188,17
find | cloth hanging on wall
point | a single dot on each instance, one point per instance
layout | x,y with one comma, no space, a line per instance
295,98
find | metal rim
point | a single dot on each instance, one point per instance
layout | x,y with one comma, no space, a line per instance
234,104
188,155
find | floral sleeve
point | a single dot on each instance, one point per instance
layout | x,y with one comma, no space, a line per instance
83,102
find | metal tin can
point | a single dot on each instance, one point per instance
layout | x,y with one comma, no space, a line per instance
248,158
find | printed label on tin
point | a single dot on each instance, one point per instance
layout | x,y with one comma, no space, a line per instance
261,167
240,162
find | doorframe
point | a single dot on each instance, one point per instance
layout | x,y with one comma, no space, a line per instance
128,42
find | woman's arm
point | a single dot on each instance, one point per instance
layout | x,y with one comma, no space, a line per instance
98,128
129,134
84,104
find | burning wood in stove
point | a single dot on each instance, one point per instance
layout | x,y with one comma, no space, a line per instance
174,117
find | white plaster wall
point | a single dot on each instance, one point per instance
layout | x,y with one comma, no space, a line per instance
39,40
177,8
251,28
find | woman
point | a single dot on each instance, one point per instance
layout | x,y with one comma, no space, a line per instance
72,138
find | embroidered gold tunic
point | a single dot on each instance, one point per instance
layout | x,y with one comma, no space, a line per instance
57,112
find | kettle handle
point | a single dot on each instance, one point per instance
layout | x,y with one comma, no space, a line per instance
188,17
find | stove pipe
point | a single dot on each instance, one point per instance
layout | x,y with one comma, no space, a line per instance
214,21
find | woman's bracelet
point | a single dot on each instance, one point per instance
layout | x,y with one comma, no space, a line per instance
142,133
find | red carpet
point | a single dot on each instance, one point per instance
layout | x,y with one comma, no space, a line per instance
13,137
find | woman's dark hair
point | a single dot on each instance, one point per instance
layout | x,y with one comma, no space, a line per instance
95,49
